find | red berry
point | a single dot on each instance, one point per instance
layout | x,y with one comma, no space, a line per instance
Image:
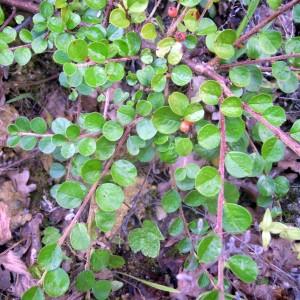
185,126
180,36
172,12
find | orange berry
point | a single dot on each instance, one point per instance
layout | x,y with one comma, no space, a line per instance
172,12
185,126
180,36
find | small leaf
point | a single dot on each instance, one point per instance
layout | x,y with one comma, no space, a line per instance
244,267
123,172
210,91
208,181
237,219
85,280
209,136
209,249
56,283
79,237
239,164
50,257
109,197
34,293
171,201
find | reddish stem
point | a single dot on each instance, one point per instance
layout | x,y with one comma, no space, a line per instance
23,5
221,201
258,61
265,21
8,20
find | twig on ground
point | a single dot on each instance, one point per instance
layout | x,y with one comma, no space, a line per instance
153,10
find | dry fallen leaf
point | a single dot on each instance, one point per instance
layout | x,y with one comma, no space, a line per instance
5,234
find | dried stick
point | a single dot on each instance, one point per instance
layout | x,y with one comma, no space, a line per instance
117,59
153,10
7,21
23,5
265,21
258,61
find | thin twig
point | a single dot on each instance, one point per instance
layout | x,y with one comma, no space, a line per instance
258,61
95,185
207,70
107,13
221,201
174,25
153,10
121,59
206,8
265,21
8,20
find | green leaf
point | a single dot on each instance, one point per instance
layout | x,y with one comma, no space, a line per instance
270,41
96,4
171,201
236,219
57,170
105,221
148,32
118,18
22,56
146,239
79,237
145,129
266,186
165,121
34,293
272,150
181,75
38,125
275,115
28,142
274,4
208,181
240,76
104,148
98,51
39,45
295,130
282,186
183,146
261,102
100,260
123,172
50,235
50,257
239,164
59,125
210,91
90,171
6,57
95,76
70,194
78,50
176,227
85,280
296,13
102,289
178,103
56,283
209,249
189,3
209,136
206,26
2,16
244,267
109,197
143,108
194,112
87,146
112,131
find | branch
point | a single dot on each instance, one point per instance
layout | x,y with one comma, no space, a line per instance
221,201
258,61
173,26
7,21
118,59
95,185
23,5
265,21
208,71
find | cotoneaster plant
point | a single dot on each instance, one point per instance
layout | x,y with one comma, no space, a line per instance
97,44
